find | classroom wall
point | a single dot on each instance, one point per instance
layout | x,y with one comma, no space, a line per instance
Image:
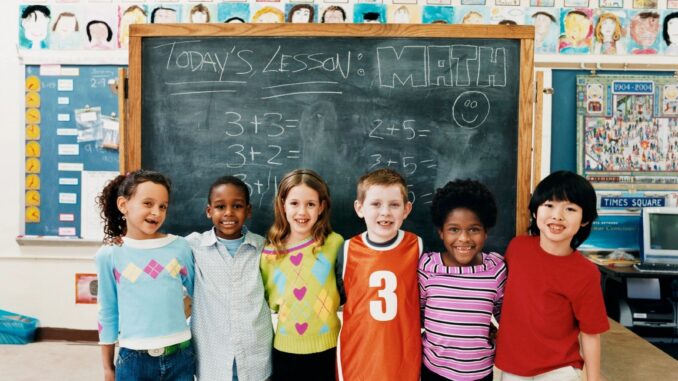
34,280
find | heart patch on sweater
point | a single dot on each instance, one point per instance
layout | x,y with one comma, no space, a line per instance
301,328
299,293
296,259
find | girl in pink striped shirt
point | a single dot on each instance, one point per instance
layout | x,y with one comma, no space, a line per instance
461,288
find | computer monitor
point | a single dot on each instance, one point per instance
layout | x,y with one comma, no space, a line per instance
660,235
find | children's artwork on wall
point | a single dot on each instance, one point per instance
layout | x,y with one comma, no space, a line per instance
576,3
365,13
610,32
301,13
268,14
507,3
336,14
403,14
34,21
99,25
335,1
233,13
645,4
86,288
66,29
627,131
200,13
542,3
672,4
472,2
437,15
404,1
471,15
507,16
644,33
439,2
128,15
545,21
165,14
670,33
371,1
611,4
576,31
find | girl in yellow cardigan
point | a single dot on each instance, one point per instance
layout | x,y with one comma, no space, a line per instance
297,266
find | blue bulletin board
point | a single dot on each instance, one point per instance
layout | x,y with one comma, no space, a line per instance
71,137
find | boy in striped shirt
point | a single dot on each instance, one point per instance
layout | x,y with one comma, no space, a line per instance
461,288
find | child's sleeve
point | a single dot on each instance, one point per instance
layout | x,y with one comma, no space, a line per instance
589,305
501,284
189,265
107,297
266,267
339,272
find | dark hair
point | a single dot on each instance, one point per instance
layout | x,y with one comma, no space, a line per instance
566,186
468,194
159,8
542,13
311,12
665,31
234,18
230,180
31,9
507,22
125,186
89,35
333,8
65,14
371,16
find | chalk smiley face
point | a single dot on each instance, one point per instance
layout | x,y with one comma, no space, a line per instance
470,109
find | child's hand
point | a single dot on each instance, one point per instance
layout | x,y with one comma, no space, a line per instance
109,374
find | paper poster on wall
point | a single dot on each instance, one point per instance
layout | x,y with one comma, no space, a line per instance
86,288
627,131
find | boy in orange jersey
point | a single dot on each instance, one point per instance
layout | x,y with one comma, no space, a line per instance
377,272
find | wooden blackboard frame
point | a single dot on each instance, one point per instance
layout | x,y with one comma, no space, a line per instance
130,157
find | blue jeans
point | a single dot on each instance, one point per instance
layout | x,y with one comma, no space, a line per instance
140,366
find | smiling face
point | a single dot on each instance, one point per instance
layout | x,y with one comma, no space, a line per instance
464,236
644,30
558,222
302,209
301,15
672,30
145,210
333,16
384,210
66,24
607,29
35,26
577,27
228,210
470,109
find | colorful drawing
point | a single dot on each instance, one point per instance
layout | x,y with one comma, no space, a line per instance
611,3
300,13
576,3
437,15
165,14
269,15
403,14
99,25
134,14
439,2
594,98
610,33
369,13
234,12
542,3
644,32
333,14
86,288
670,99
576,31
200,13
672,4
645,4
507,15
507,3
471,15
472,2
34,29
65,31
545,29
670,33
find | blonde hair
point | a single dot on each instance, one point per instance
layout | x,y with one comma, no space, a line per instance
617,26
280,229
277,12
383,177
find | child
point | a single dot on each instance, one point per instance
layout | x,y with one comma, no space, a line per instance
553,293
141,283
461,288
231,322
297,267
380,339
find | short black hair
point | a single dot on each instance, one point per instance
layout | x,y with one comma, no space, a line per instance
89,35
159,8
31,9
566,186
467,194
234,18
665,28
232,180
371,16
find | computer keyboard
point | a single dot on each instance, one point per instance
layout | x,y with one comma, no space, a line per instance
657,267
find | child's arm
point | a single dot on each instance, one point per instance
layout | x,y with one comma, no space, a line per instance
107,352
339,273
591,350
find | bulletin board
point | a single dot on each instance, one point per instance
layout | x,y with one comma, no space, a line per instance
71,147
627,131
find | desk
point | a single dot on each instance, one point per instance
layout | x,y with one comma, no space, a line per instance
626,356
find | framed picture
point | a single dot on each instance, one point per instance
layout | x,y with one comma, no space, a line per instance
472,2
672,4
645,4
86,288
507,3
576,3
611,3
544,3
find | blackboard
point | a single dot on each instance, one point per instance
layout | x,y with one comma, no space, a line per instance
259,101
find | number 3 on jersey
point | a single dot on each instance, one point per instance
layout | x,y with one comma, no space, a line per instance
386,308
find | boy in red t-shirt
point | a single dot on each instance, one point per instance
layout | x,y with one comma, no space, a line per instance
553,293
